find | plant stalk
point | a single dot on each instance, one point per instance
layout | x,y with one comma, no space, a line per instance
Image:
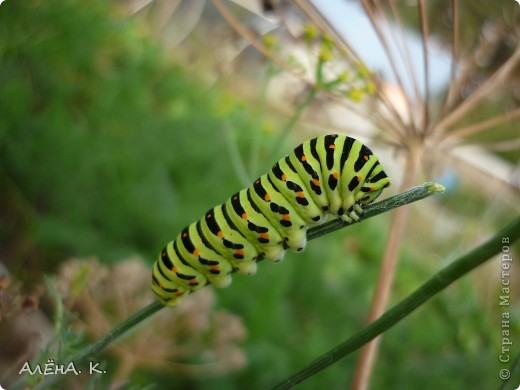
383,289
428,290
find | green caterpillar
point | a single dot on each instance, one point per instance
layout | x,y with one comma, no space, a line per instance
329,175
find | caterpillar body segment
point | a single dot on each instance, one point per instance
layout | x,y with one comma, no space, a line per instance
254,225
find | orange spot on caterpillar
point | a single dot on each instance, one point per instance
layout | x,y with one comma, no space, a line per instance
196,252
267,197
210,216
300,194
258,181
333,147
193,282
174,269
178,293
335,175
235,197
184,235
360,179
284,177
244,216
286,217
316,182
220,234
239,251
365,158
304,158
372,189
215,267
264,235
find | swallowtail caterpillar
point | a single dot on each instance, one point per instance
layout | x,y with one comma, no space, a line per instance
332,175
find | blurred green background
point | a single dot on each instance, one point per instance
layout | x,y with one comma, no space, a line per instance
110,144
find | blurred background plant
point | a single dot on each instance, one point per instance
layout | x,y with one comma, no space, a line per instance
121,122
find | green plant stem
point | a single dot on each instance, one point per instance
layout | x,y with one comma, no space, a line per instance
234,154
412,195
514,366
434,285
256,140
116,332
96,347
280,141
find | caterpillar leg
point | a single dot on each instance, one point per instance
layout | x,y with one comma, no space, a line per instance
356,212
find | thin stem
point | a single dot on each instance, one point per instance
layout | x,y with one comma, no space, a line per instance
428,290
481,126
381,35
315,15
412,195
446,104
234,154
405,50
98,346
257,43
256,139
243,31
424,31
280,141
501,146
471,102
367,357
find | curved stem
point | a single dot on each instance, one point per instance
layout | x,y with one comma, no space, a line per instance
434,285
